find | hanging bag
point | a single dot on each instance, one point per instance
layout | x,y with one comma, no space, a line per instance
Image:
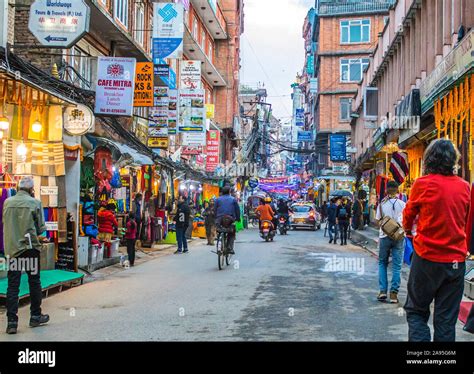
389,226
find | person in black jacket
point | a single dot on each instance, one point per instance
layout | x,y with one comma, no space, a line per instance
332,218
343,217
182,222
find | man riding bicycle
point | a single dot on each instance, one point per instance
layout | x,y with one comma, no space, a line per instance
227,211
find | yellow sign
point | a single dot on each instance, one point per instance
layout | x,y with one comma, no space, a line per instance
143,95
158,143
210,109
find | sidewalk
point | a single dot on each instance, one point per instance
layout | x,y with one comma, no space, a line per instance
367,239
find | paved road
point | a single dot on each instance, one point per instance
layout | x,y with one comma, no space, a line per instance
296,288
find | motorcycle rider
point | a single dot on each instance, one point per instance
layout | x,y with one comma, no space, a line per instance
284,210
265,212
227,206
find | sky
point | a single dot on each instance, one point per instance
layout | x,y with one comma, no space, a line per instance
272,48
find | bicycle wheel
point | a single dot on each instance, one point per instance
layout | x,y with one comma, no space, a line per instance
220,251
228,258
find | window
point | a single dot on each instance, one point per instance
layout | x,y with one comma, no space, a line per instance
79,68
139,23
356,31
121,11
211,52
203,40
352,69
345,109
195,28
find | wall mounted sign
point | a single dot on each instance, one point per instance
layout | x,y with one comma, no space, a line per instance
168,31
143,95
190,76
59,23
78,120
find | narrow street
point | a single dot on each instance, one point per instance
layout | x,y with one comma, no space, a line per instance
285,290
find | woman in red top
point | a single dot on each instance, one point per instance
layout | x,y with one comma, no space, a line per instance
131,238
440,200
107,222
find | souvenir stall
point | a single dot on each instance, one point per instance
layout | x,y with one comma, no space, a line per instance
31,133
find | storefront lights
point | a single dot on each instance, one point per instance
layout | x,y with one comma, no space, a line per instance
4,123
36,126
182,187
192,188
21,150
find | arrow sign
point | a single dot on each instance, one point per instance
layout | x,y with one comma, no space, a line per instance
50,38
59,24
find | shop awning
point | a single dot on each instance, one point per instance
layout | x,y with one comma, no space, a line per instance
135,157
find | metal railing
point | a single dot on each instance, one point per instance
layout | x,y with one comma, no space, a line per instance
351,6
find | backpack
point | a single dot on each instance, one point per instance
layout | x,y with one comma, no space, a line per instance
342,213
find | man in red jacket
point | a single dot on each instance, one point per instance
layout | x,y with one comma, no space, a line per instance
440,200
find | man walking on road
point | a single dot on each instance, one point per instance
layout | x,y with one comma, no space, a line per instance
182,222
392,207
23,223
332,226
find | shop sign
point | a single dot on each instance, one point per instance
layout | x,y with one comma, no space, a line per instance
78,120
59,23
143,95
192,112
168,31
305,136
191,151
161,143
459,61
212,150
310,65
299,117
210,111
158,121
379,140
338,147
172,111
253,183
162,74
190,76
274,180
190,139
313,85
49,191
115,86
51,226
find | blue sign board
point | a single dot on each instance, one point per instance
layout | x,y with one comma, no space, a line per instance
305,136
299,117
338,147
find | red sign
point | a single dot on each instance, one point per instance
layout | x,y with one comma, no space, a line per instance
191,151
212,150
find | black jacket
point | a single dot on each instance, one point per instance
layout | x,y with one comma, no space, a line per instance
182,215
347,207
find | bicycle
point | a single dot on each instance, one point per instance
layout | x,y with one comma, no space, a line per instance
222,250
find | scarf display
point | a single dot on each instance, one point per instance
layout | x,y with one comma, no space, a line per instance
399,166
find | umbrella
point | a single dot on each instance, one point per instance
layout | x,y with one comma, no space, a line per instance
341,193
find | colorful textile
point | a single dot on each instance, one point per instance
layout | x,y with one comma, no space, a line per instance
399,166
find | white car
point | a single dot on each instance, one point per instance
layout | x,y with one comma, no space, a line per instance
305,215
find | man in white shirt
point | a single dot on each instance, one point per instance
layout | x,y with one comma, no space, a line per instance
390,206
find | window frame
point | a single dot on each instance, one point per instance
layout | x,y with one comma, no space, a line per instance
139,32
351,61
121,10
352,23
345,101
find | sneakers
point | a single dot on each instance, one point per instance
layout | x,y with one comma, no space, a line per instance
382,296
393,298
177,252
330,241
185,251
12,328
36,321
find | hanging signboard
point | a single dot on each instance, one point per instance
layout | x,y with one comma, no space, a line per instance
299,117
190,139
115,86
192,112
210,111
313,85
191,151
305,136
338,147
168,31
212,150
158,123
172,111
143,96
59,24
190,74
78,120
162,74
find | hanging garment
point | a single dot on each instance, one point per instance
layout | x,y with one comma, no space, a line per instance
3,197
399,166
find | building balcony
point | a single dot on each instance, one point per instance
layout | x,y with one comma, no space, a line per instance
213,19
103,24
340,7
194,51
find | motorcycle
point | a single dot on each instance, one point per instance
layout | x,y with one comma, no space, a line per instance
282,225
267,231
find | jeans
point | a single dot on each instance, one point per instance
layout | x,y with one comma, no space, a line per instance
443,282
387,246
131,250
343,227
332,227
181,238
14,278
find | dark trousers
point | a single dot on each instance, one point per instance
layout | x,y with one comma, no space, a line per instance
366,219
32,269
343,227
443,282
131,250
181,238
